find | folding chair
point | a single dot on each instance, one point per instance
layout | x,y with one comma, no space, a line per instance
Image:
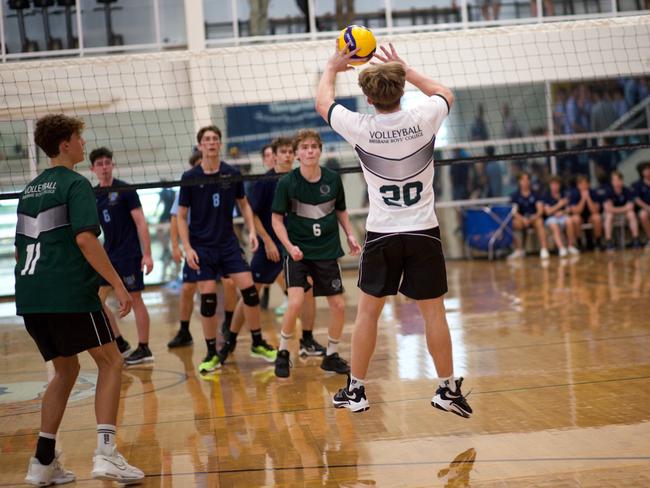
488,229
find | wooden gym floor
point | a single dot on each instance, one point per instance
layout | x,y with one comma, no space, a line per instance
557,358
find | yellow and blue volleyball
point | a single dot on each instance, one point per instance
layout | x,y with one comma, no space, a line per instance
358,36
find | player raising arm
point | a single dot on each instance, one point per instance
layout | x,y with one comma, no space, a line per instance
403,250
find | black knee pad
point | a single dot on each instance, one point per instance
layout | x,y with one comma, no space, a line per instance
250,296
208,304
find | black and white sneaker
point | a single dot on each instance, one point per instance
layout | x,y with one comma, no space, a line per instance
282,364
181,339
142,354
309,347
452,401
124,347
335,364
354,400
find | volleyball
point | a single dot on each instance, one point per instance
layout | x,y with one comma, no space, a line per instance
358,36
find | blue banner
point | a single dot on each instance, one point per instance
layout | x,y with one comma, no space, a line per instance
250,127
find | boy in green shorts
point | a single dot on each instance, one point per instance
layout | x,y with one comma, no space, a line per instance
312,200
58,259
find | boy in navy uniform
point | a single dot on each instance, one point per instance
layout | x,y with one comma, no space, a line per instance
58,259
266,264
556,209
641,189
128,245
529,213
211,245
619,204
584,206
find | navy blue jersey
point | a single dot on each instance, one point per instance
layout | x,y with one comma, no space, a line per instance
550,200
620,199
120,233
211,205
642,190
526,205
601,193
261,202
574,196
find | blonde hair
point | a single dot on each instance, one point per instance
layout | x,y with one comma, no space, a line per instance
383,84
305,134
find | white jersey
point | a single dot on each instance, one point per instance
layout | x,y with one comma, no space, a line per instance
396,155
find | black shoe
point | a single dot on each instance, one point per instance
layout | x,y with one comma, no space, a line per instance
335,364
141,355
636,244
182,338
354,400
452,401
610,246
282,364
309,347
125,348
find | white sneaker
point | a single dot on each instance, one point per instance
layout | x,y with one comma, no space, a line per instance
543,254
115,468
48,474
517,254
574,251
563,252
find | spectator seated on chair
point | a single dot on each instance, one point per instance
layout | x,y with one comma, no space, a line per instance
619,207
529,214
641,191
584,207
556,209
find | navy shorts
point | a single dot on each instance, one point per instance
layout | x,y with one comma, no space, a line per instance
264,270
130,270
224,261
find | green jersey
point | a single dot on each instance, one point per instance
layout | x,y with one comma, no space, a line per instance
52,275
310,210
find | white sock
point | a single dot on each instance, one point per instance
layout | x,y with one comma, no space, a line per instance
284,341
332,346
355,383
449,382
105,439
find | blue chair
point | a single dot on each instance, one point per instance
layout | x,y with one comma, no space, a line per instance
488,229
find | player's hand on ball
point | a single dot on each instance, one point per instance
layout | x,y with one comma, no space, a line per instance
272,252
192,259
147,264
124,300
296,253
390,55
253,242
177,255
354,246
340,60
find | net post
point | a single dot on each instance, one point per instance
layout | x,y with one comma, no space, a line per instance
464,14
540,10
31,149
156,21
311,7
195,25
549,124
3,46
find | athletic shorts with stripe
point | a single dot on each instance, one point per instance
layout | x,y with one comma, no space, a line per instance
325,274
67,334
409,262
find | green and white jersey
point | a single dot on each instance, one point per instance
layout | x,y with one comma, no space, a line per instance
52,275
310,210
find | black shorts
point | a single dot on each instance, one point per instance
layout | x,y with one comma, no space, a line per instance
325,274
67,334
130,271
409,262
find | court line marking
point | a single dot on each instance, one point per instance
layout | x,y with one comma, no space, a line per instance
380,465
390,402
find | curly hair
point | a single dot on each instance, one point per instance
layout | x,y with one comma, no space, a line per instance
52,130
